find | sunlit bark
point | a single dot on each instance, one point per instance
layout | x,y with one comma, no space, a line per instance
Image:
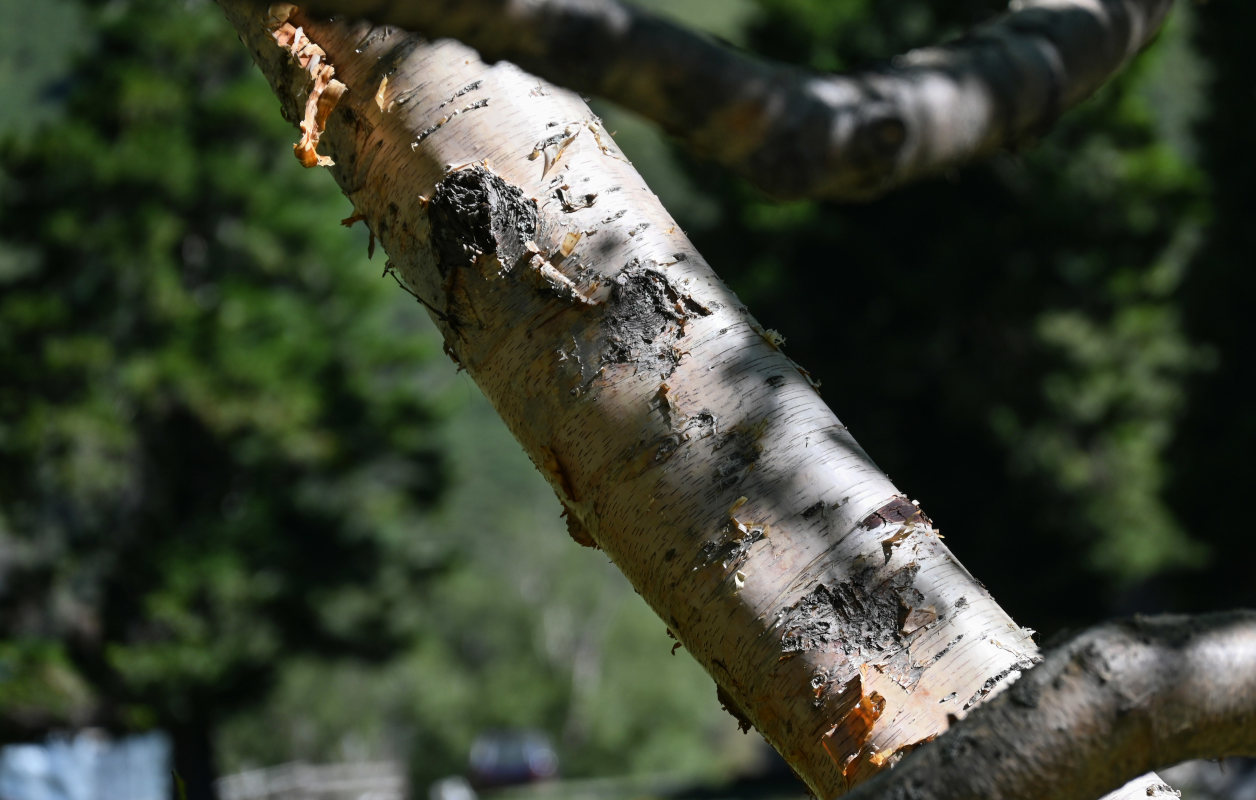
679,437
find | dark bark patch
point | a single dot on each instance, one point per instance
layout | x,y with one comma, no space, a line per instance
705,422
645,318
475,213
852,619
666,446
731,553
737,452
699,426
814,509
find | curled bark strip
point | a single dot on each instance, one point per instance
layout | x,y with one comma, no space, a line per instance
1120,699
324,94
792,132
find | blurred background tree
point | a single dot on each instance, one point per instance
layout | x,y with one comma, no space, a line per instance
245,499
216,442
1211,455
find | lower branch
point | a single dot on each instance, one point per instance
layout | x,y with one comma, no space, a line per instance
1118,700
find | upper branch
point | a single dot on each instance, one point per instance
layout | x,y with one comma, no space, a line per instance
1117,701
793,132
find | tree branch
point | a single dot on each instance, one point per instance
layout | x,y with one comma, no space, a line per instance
1118,700
793,132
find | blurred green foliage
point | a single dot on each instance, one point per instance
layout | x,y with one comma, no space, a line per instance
215,443
242,492
527,631
1211,458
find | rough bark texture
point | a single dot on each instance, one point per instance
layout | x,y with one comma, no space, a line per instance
793,132
1118,700
678,436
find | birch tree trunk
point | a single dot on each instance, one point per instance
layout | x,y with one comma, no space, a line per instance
678,436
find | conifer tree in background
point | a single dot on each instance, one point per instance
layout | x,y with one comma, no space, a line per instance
209,463
1212,454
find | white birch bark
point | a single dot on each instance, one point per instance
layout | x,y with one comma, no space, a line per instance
679,437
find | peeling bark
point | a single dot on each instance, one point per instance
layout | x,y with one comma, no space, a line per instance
796,133
679,437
